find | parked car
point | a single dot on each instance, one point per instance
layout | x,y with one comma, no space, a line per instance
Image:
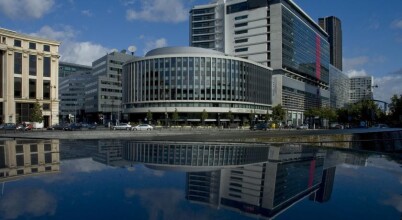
142,127
24,127
72,127
57,127
122,126
260,126
302,127
92,126
8,126
380,126
336,126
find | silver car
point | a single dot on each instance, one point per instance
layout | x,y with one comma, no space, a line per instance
122,126
143,127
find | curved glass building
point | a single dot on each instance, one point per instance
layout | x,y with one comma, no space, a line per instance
190,80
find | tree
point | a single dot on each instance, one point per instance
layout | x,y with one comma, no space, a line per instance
175,116
395,108
267,116
149,116
230,116
204,116
278,113
36,114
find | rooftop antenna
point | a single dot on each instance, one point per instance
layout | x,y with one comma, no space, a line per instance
132,49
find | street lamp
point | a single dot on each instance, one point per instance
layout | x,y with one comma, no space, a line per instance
51,103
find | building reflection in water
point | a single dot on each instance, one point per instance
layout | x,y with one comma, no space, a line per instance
258,180
21,158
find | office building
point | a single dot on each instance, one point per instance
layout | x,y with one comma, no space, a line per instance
104,93
332,25
29,68
361,88
191,80
277,34
66,69
72,96
339,88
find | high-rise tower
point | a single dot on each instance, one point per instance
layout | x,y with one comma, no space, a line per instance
332,25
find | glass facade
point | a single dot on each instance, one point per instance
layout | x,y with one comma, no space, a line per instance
305,52
191,81
195,155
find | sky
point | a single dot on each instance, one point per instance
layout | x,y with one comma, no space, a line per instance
88,29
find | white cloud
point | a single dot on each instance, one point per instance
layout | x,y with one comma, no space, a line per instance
159,11
149,45
387,87
353,73
87,13
71,50
34,202
395,201
397,24
25,9
353,63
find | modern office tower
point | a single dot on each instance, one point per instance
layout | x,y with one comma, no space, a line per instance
29,68
21,158
72,96
190,80
66,69
361,88
278,34
332,25
104,92
339,88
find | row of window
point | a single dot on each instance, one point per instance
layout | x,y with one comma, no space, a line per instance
32,45
32,88
32,65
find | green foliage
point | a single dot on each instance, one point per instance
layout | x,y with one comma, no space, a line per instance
149,115
267,116
204,116
395,108
175,115
36,114
278,113
230,116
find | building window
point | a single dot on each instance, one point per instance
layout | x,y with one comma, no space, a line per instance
241,49
245,40
241,24
46,89
241,17
17,63
17,87
46,48
32,88
241,32
32,65
17,43
46,66
32,46
46,106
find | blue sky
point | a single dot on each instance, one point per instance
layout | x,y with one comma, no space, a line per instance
88,29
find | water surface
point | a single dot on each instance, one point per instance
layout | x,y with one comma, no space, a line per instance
132,180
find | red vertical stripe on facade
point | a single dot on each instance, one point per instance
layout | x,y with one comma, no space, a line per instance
311,174
318,57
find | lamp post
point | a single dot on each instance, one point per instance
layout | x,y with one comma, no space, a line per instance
111,113
51,103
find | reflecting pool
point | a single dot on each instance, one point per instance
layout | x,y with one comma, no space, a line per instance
118,179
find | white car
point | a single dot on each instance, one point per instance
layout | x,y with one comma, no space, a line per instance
122,126
302,127
142,127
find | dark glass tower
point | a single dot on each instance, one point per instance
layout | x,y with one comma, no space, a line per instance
332,25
